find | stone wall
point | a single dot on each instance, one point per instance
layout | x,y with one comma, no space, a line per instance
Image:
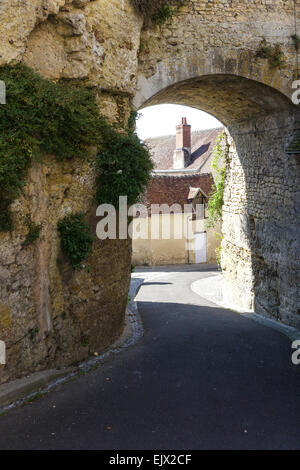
206,57
206,38
51,315
260,257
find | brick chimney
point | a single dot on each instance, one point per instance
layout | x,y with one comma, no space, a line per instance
182,153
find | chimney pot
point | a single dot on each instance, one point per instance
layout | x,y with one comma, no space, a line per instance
183,145
183,135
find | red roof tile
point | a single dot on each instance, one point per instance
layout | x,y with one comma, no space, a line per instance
175,189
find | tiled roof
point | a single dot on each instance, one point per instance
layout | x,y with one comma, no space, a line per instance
175,189
162,148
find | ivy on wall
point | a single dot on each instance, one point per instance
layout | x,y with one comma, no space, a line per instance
42,117
216,200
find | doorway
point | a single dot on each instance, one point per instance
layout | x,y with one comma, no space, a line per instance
200,247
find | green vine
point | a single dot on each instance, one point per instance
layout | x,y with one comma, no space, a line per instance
216,200
134,116
274,54
123,165
76,238
64,120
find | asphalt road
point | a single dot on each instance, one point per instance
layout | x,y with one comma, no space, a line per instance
201,378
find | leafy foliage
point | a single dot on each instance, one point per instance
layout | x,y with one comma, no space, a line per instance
274,54
216,200
34,231
76,238
64,120
134,115
162,15
296,41
40,117
157,11
123,165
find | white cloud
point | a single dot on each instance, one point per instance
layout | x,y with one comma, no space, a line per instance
162,120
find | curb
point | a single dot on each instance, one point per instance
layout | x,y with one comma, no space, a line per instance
21,391
16,389
212,293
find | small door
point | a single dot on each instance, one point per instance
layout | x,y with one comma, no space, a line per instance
200,247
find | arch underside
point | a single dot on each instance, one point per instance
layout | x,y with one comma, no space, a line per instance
229,98
262,181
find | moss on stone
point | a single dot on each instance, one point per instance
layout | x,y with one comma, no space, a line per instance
274,53
156,11
76,238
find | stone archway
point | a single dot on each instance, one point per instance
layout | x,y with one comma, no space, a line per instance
260,234
204,56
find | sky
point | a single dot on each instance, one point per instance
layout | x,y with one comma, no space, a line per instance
162,120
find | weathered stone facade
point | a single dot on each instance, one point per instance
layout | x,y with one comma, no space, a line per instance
205,56
261,220
51,315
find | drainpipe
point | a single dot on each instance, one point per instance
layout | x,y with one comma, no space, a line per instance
190,217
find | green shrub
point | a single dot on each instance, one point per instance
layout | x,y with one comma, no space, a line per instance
76,238
147,8
123,165
40,117
34,231
157,11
